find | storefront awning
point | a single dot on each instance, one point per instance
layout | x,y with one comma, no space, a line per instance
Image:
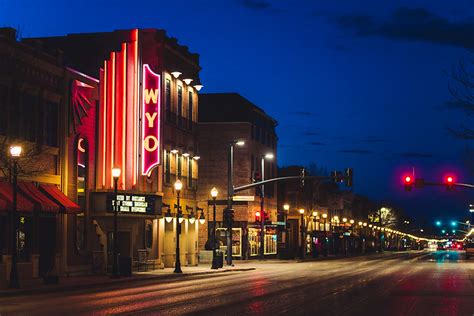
6,194
67,206
42,202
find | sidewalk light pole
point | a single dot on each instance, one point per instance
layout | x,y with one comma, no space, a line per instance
15,152
115,268
286,210
178,185
214,193
230,194
301,211
268,156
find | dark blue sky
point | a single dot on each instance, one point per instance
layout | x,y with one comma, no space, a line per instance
351,83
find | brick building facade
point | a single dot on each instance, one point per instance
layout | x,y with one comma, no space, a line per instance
224,118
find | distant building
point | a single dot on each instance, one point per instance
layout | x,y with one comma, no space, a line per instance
223,118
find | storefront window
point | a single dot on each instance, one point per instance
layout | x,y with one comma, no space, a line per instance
254,241
270,240
23,242
236,240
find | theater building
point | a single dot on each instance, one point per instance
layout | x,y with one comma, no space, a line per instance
146,126
224,118
48,110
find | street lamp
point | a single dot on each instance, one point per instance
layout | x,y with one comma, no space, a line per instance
115,267
268,156
214,194
301,211
178,185
15,153
230,194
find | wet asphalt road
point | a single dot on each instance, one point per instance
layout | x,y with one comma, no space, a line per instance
438,283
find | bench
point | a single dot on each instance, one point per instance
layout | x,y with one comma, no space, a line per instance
143,260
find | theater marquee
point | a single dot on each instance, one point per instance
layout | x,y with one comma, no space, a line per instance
151,117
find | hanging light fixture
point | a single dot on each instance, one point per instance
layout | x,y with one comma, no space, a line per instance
198,87
191,218
202,219
176,74
188,81
168,216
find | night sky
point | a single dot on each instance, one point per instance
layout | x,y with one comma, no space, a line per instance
351,83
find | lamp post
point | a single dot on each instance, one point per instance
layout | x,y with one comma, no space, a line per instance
286,209
268,156
230,194
215,265
178,185
301,211
15,152
115,267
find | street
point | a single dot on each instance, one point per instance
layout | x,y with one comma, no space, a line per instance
413,283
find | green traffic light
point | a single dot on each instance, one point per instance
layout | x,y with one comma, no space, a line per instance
454,231
438,223
453,223
443,231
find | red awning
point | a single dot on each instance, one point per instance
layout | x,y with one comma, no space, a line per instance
67,206
22,204
42,202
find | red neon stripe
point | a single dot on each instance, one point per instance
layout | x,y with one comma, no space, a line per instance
118,113
102,129
135,108
124,116
112,122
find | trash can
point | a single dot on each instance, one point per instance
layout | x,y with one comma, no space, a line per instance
125,266
220,258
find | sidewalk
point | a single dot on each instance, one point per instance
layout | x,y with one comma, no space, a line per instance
36,286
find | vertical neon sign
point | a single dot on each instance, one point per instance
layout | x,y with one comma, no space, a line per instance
151,118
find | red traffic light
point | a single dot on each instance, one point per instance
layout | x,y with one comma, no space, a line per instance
408,180
449,179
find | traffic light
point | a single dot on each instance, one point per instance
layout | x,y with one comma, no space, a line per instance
453,223
443,231
438,223
336,176
257,216
257,177
228,217
349,176
449,181
408,183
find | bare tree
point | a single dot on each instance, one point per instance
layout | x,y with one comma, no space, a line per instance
32,162
462,91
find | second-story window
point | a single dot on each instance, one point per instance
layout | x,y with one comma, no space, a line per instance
3,109
168,99
167,167
190,109
180,105
190,172
180,167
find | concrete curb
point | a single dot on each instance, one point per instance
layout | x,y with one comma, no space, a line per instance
109,282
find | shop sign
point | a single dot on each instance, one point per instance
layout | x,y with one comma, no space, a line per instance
138,204
151,118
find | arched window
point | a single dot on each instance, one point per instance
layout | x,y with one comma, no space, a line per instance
82,171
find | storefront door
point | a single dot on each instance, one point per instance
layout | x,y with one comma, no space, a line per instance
46,244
